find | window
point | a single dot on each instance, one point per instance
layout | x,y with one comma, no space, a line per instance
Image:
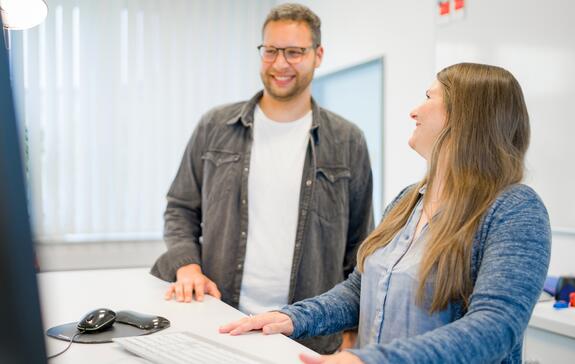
110,91
356,93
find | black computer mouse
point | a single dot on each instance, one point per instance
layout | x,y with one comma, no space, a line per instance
97,320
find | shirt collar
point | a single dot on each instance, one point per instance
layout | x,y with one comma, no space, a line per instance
246,115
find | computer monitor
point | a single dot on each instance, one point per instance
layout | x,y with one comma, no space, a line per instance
21,331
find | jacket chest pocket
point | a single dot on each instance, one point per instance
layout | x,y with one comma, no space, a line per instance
331,194
221,173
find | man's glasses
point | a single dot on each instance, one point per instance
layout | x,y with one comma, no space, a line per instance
291,54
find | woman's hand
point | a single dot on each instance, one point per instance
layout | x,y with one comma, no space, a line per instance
343,357
269,323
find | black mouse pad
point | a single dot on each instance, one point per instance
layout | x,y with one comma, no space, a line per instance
67,331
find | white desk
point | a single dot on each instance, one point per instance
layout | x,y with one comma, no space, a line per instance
550,336
67,296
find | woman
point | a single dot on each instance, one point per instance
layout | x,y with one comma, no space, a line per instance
454,269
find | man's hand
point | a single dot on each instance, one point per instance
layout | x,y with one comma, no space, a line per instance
269,323
343,357
190,280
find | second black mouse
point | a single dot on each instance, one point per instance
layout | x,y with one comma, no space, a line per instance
142,321
97,320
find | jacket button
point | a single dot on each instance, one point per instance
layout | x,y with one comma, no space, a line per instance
308,183
243,233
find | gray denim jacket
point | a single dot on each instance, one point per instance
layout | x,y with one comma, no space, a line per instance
206,219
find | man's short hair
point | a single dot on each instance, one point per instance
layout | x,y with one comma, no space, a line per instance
297,13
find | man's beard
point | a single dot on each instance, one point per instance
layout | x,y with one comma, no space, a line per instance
300,85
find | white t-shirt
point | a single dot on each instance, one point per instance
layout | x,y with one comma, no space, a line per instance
274,182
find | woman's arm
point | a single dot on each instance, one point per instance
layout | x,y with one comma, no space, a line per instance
330,312
333,311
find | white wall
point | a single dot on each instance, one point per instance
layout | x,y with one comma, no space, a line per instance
562,255
532,39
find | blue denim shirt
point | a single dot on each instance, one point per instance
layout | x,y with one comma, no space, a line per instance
509,262
389,284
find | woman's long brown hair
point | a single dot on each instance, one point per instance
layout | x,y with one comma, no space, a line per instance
483,147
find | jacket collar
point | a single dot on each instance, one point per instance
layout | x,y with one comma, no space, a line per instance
246,115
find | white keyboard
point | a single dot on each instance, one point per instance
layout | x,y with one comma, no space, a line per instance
183,348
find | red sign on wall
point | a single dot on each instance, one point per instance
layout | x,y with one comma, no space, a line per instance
459,4
449,10
443,7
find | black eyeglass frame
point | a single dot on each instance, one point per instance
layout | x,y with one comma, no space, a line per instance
304,50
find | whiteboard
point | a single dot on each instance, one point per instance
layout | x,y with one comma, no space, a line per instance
535,41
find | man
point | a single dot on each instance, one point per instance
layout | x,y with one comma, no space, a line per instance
299,174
